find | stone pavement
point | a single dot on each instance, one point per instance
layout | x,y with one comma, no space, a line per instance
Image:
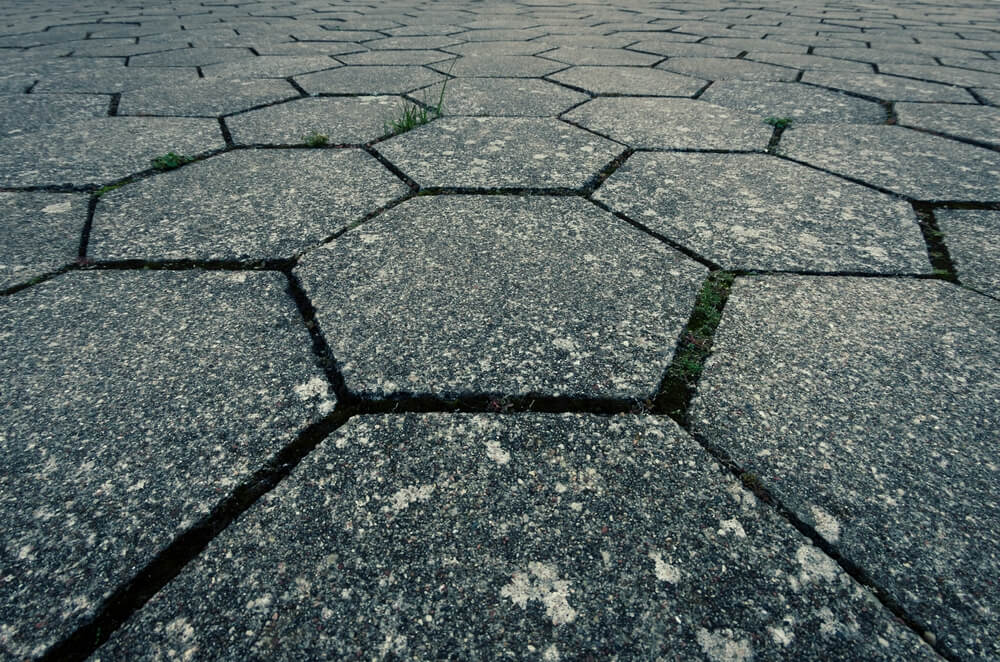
675,335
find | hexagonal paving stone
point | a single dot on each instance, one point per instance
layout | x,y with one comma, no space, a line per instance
630,80
503,66
374,80
134,402
907,162
676,49
980,123
747,211
973,240
101,150
409,43
496,153
209,97
244,205
190,57
889,88
505,97
801,103
672,123
762,45
343,120
869,408
516,295
40,234
30,112
528,538
395,57
809,62
711,68
878,56
278,66
601,56
948,75
111,81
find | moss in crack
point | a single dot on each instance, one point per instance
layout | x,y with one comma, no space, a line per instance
681,378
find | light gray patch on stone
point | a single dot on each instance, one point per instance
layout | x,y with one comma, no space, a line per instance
134,402
343,120
630,80
30,112
746,211
207,97
500,294
243,205
980,123
504,97
973,240
601,56
672,123
495,563
373,80
269,66
101,150
889,88
190,57
39,233
809,62
801,103
502,66
674,49
878,401
500,152
106,80
727,69
949,75
394,57
914,164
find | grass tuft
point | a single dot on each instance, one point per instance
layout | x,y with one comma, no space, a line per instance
316,139
170,160
413,114
779,122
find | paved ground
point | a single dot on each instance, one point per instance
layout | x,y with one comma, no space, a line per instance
676,336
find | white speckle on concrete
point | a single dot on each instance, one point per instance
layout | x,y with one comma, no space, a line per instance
723,646
261,603
402,499
315,387
815,565
780,636
826,524
496,452
58,208
664,571
545,587
732,526
551,654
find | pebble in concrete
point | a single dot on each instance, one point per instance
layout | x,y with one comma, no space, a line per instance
630,80
904,161
504,97
31,112
41,234
343,120
871,408
672,123
801,103
372,80
536,537
133,401
244,205
980,123
746,211
889,88
973,240
492,152
727,69
500,294
208,97
101,150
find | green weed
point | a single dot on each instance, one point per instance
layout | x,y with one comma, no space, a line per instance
779,122
316,139
170,160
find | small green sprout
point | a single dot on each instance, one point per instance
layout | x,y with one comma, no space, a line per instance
170,160
316,139
779,122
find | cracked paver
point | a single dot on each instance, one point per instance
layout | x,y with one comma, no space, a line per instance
459,389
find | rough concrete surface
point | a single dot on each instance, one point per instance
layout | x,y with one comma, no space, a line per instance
540,329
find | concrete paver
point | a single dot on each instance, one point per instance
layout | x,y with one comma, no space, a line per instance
603,361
